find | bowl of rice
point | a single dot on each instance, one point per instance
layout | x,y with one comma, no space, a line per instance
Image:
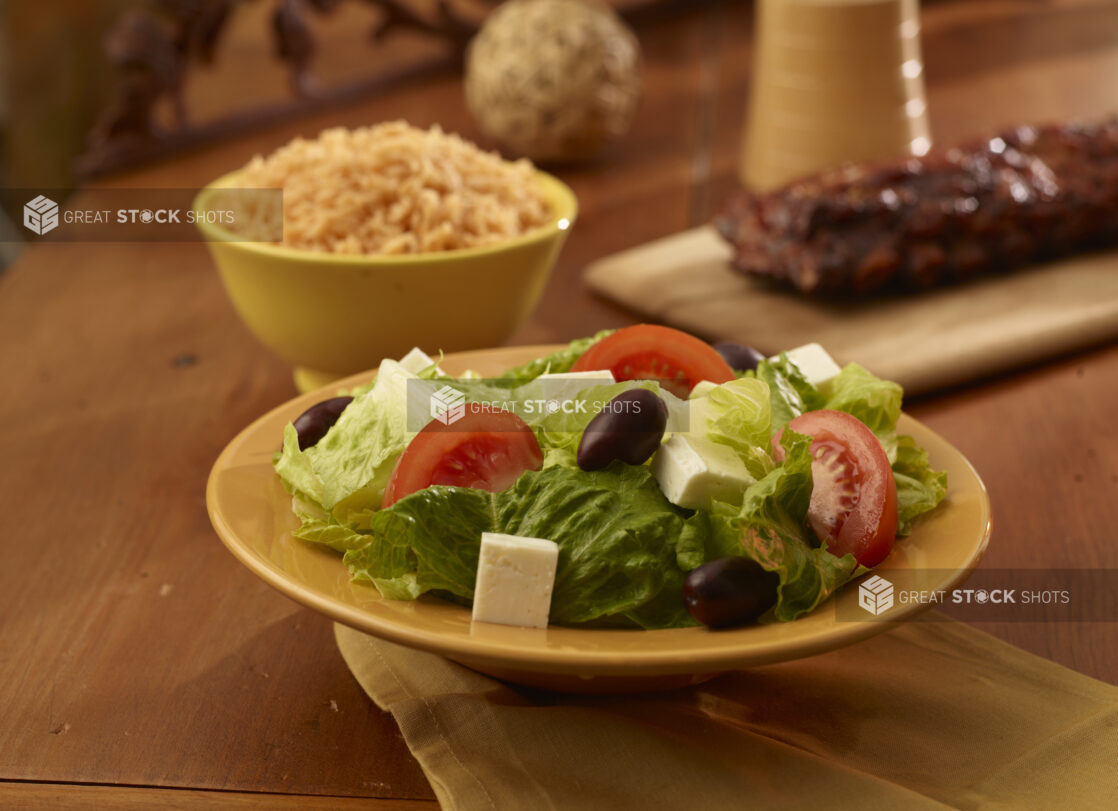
384,238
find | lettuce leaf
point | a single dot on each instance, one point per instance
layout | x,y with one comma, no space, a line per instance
877,403
919,487
346,471
855,390
874,401
318,527
737,414
771,528
790,394
775,533
391,567
616,532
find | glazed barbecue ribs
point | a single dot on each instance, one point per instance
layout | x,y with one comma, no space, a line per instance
983,207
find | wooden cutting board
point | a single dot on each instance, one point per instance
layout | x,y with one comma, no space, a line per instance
926,341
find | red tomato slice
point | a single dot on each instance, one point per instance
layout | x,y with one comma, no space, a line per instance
854,496
649,352
486,449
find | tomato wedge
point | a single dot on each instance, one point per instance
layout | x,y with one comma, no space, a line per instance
854,496
487,449
650,352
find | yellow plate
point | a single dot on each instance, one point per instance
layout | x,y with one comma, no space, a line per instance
252,514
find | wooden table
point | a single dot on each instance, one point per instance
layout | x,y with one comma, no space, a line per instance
139,663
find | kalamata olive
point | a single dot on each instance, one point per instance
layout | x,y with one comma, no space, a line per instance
729,591
313,423
629,428
739,356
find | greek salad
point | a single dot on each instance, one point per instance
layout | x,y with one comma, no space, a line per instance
637,478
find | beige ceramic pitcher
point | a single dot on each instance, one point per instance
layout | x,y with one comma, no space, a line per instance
833,80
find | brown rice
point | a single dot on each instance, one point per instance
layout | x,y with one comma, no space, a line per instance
393,189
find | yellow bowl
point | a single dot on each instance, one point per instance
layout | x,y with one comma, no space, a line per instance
332,315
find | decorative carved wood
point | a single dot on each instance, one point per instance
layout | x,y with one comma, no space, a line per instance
153,48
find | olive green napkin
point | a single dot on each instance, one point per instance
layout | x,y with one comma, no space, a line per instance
933,714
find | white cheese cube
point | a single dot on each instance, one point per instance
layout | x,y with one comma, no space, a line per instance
680,412
406,397
392,378
567,385
814,362
417,360
693,472
515,576
595,377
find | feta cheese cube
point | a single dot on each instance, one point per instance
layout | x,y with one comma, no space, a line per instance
417,360
392,379
693,472
515,577
595,377
567,385
814,362
407,399
680,412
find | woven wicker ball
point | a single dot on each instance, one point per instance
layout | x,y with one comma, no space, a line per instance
553,79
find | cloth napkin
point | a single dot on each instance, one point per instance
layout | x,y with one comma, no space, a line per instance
933,714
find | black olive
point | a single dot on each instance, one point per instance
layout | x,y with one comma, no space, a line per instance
739,356
729,591
629,428
313,423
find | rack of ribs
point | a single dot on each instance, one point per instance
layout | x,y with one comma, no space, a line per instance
987,206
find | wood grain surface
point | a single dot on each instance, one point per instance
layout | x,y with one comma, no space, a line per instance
50,796
135,652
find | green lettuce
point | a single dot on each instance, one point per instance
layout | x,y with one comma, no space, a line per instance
339,537
919,487
775,533
874,401
346,471
877,403
790,393
771,528
616,532
855,390
737,414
